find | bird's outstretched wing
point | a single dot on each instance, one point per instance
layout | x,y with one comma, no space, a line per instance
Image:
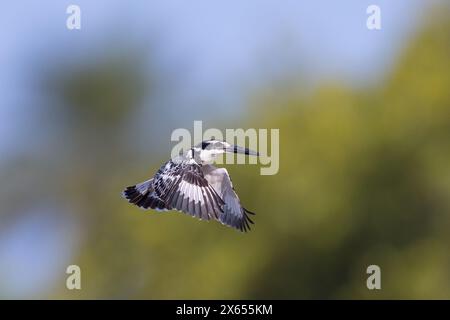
144,196
178,185
233,215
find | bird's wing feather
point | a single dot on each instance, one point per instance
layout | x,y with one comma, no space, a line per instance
143,195
189,192
233,215
180,185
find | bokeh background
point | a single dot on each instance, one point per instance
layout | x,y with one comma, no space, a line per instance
364,119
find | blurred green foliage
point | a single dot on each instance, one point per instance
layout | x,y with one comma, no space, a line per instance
364,179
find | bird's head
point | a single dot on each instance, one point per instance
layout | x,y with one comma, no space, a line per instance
208,150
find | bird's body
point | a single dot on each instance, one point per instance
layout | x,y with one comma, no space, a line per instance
191,184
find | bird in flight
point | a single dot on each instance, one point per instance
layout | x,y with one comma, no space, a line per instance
191,184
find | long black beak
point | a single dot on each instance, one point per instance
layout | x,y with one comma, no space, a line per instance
237,149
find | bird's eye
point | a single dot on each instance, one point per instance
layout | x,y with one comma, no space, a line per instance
204,145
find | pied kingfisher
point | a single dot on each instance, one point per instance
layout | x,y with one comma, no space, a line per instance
191,184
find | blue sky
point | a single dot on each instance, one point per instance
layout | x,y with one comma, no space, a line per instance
212,53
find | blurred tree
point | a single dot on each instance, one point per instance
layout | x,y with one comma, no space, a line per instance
369,181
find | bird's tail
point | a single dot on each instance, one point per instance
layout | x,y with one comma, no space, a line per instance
143,196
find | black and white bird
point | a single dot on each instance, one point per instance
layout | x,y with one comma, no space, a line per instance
191,184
